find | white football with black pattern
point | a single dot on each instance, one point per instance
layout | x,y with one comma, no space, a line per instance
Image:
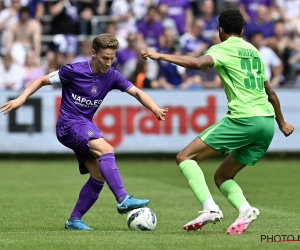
141,219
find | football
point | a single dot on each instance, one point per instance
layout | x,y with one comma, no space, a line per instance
141,219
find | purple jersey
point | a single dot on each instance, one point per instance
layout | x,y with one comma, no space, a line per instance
251,6
151,32
83,91
177,9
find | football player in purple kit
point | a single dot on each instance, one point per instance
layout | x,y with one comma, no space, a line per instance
84,87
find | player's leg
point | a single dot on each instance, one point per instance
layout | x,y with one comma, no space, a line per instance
188,160
105,152
254,137
88,195
234,194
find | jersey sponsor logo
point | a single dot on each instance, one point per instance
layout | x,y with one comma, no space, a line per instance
86,103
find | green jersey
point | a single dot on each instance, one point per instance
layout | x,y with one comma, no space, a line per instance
242,72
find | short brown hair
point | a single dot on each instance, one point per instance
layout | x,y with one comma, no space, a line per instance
105,41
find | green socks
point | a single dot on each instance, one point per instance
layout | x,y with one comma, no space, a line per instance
234,194
196,180
230,189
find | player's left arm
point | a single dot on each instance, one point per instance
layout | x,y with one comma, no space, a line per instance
285,127
146,101
184,61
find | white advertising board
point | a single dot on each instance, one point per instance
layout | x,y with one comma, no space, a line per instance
130,127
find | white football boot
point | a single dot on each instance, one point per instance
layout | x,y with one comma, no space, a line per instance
243,221
205,217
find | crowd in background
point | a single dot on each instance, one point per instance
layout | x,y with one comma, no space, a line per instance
182,27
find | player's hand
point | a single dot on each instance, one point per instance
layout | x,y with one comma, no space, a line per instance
161,113
10,105
287,129
149,53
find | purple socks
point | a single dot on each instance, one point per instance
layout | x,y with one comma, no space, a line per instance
90,191
87,197
112,176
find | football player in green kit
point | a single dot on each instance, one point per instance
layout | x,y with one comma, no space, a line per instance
246,130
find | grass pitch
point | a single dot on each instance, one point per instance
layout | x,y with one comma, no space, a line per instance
36,198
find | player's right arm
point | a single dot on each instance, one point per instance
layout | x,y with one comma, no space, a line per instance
31,88
184,61
286,128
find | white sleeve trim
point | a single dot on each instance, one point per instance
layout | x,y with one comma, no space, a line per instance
54,77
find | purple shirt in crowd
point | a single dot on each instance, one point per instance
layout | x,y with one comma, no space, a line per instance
151,32
251,6
177,9
211,26
83,91
125,55
267,29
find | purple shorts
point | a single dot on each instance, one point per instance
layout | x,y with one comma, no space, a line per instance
76,136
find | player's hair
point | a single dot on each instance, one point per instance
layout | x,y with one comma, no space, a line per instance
232,21
105,41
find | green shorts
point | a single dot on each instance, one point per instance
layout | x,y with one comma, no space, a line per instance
247,138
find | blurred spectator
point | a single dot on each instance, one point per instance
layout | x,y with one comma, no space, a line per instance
65,27
87,9
36,7
211,23
249,8
85,52
181,12
126,59
280,40
151,28
192,42
167,22
139,8
225,4
168,42
7,16
110,28
281,44
152,65
53,61
205,78
23,35
288,9
122,15
293,54
32,69
194,45
11,74
139,77
260,24
273,64
170,75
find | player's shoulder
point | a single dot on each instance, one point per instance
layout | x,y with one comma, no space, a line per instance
75,67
